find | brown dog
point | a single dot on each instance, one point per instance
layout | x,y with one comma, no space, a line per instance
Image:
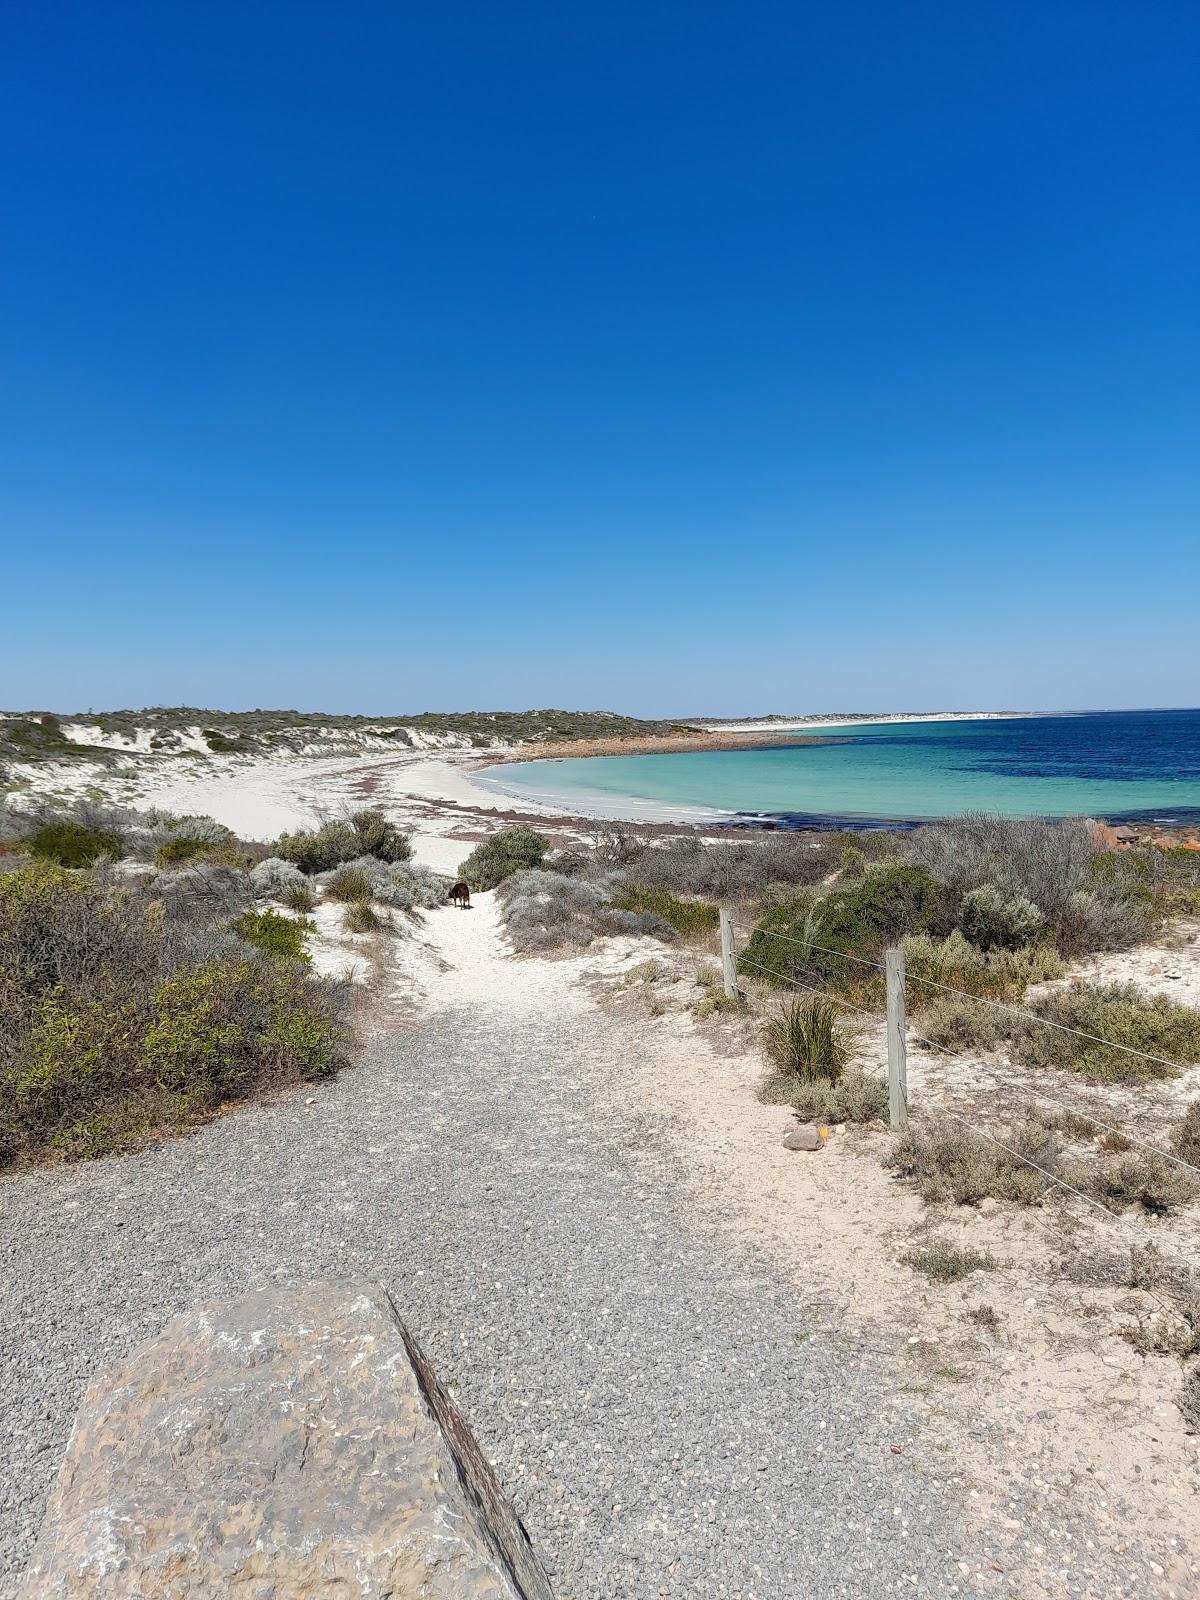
461,895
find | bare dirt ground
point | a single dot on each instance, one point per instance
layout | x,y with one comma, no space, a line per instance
1048,1397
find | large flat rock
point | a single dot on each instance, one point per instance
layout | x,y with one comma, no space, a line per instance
289,1445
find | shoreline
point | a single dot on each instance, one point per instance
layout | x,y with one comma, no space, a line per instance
451,797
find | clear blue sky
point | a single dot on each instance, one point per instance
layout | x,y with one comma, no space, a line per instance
663,357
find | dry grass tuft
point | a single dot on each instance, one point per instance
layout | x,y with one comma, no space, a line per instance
945,1263
947,1162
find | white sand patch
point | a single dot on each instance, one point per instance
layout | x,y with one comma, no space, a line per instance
259,799
335,952
92,733
1169,966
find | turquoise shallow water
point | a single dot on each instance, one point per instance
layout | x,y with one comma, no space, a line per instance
1128,764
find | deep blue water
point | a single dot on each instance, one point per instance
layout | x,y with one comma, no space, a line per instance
1117,765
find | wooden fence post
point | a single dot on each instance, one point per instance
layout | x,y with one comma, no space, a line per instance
896,1045
728,964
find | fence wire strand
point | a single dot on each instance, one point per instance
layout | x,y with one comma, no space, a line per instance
1110,1217
983,1000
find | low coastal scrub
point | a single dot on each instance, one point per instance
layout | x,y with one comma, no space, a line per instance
855,1096
953,1023
273,878
947,1162
1118,1013
362,833
1185,1139
1188,1401
298,897
545,912
85,832
735,871
687,917
70,844
124,1018
993,919
205,891
361,916
401,885
1051,869
955,963
1144,1179
816,939
184,848
500,855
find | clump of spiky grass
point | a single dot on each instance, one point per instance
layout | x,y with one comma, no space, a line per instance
361,917
350,885
807,1040
299,897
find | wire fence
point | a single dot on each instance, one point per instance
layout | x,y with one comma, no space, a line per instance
965,994
744,962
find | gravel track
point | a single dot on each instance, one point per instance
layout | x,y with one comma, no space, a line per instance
651,1400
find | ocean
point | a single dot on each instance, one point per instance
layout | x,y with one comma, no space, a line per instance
1134,766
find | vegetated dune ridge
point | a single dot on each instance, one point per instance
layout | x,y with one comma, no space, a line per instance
39,736
1041,1412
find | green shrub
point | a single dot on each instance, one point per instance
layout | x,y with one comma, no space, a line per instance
808,938
184,848
994,920
225,744
274,933
685,916
946,1263
805,1039
72,845
363,833
947,1162
1118,1013
298,897
116,1027
349,884
499,856
716,1000
379,838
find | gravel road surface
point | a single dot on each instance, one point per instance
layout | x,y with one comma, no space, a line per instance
653,1400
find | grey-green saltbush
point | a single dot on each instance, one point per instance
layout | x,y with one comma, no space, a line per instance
401,884
545,911
994,920
271,878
